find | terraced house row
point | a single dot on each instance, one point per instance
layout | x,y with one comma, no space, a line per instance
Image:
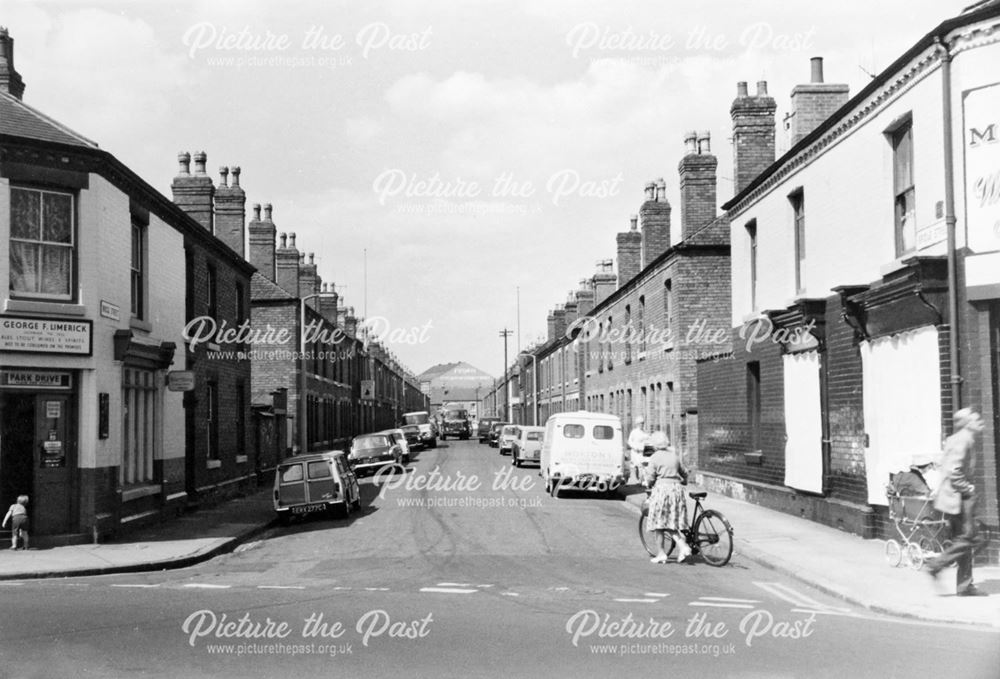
819,331
122,399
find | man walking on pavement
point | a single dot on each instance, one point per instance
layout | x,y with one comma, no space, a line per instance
636,442
957,498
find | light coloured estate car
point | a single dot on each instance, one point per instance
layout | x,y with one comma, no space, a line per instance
505,442
528,446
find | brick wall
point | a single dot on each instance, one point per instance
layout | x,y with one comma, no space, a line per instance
845,402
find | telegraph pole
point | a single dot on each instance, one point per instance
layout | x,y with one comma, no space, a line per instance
505,333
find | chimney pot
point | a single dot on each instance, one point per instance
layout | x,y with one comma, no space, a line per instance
761,88
816,69
184,160
704,142
651,191
302,256
634,219
691,143
223,176
741,88
284,240
291,237
199,162
256,212
311,257
235,172
267,212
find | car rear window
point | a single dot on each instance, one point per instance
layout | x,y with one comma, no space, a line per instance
456,415
417,418
369,442
603,432
508,431
534,436
320,469
291,473
573,431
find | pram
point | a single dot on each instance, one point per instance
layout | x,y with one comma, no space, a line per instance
923,530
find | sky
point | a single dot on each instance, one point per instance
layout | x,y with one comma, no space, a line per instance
457,168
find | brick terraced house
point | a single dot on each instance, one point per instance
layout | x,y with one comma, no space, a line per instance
865,283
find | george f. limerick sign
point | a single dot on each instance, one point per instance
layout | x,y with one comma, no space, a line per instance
45,335
982,167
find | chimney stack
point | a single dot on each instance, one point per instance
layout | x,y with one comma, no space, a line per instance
654,216
10,79
287,264
559,315
262,243
629,254
584,299
328,303
308,280
230,210
753,134
697,172
194,193
350,322
603,282
814,102
572,309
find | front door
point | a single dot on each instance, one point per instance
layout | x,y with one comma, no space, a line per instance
37,457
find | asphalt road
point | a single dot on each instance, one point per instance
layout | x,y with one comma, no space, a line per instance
464,567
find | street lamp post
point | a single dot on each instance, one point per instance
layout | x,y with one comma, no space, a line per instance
303,408
505,333
534,383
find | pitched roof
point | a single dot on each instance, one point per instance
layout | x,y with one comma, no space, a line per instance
20,120
263,288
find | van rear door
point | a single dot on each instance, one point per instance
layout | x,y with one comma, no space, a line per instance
323,486
291,484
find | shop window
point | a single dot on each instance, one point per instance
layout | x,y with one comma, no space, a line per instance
139,425
41,244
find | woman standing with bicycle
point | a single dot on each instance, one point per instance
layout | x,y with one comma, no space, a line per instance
665,475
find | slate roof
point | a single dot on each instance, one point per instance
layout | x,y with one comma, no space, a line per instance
263,288
17,119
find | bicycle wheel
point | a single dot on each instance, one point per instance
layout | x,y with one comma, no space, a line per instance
714,538
650,540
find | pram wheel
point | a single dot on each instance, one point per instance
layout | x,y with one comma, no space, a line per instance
893,553
914,556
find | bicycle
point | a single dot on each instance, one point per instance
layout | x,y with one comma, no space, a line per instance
708,534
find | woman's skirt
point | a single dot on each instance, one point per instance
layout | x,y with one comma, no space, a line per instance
667,508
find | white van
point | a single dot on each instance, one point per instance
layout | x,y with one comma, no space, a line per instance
583,450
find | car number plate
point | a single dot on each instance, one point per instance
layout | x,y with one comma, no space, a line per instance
308,509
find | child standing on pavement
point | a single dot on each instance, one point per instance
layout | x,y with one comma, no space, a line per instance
18,516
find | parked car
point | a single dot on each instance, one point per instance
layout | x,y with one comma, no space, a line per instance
313,483
371,452
399,438
428,429
494,435
528,446
506,439
412,434
583,450
483,428
456,424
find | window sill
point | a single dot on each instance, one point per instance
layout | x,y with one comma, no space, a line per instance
54,308
141,491
141,325
213,464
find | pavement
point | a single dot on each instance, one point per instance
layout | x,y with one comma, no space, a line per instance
838,563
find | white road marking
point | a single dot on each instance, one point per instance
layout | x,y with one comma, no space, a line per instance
796,598
637,601
659,594
718,605
11,584
484,586
453,584
825,611
280,587
376,589
448,590
727,600
509,594
137,586
197,585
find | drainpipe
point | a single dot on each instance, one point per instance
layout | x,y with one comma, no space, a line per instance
950,223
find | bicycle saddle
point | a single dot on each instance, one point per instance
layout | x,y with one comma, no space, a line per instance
698,496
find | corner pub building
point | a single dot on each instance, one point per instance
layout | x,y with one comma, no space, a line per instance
92,262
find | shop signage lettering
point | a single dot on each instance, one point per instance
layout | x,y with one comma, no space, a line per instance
982,168
47,336
29,379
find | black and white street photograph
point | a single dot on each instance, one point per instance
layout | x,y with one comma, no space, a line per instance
499,338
